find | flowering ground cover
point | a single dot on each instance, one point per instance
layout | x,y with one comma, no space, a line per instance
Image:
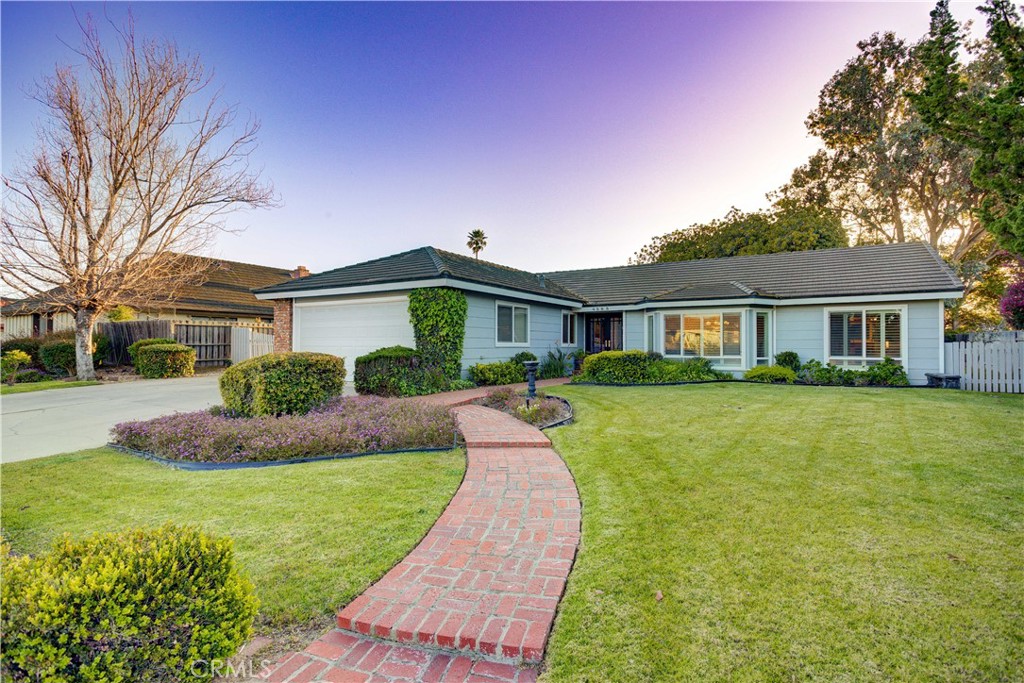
542,410
344,425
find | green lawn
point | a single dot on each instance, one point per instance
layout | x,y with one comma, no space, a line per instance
43,386
795,533
311,536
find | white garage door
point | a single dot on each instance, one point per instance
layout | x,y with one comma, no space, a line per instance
352,328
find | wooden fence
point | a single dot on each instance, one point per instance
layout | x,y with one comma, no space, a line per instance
213,342
988,365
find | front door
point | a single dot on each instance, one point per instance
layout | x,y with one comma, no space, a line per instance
604,332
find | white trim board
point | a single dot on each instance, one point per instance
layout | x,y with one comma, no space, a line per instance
414,284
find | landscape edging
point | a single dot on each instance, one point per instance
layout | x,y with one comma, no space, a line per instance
206,465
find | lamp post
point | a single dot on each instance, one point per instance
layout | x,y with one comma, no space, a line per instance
531,378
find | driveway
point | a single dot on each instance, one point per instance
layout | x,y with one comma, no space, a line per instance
44,423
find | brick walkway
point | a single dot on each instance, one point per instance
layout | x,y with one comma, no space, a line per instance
475,600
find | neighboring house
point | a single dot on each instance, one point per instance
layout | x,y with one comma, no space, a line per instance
850,307
225,296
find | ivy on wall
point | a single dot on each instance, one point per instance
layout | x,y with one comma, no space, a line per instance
438,317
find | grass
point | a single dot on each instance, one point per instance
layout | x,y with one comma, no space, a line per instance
795,533
45,385
311,537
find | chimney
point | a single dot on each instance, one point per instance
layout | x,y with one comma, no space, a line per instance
300,272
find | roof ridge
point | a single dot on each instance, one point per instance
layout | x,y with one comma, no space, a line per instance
942,263
442,267
478,261
777,254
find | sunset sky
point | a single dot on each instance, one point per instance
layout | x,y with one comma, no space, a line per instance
570,133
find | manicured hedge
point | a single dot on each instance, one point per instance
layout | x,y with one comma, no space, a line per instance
158,361
133,350
511,371
770,374
391,371
282,383
639,367
140,605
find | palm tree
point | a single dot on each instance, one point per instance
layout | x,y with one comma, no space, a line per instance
477,241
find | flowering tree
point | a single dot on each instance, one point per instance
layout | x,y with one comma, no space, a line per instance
1012,305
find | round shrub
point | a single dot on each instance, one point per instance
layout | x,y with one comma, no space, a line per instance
139,605
133,350
282,383
11,362
1011,305
58,357
158,361
788,359
888,373
391,371
771,374
29,345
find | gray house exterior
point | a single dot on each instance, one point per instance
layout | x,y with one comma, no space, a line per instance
850,307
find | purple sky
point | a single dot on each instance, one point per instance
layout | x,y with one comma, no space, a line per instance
570,133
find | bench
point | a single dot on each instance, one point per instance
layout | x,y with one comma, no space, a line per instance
942,380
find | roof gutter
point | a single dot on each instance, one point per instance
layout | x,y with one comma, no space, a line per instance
769,301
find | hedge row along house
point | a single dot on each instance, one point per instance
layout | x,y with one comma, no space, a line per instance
850,307
225,296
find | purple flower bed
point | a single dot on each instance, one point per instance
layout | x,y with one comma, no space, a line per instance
343,425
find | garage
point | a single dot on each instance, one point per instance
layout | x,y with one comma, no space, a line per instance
352,327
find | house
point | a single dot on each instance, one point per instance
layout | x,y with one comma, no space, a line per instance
225,296
849,307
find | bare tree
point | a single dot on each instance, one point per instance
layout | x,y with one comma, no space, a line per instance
128,177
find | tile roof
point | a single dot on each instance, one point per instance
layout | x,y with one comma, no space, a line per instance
227,290
427,263
906,268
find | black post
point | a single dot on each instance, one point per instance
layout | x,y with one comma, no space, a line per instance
531,378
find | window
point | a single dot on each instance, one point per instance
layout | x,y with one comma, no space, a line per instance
651,341
864,337
761,350
513,325
715,336
568,329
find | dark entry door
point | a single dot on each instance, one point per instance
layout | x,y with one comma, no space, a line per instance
604,332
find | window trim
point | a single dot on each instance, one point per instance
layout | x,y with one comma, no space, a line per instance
498,303
651,332
573,326
769,328
741,312
902,309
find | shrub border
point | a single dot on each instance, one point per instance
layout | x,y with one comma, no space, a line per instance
797,383
207,466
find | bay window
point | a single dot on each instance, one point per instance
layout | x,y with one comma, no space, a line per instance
864,336
715,336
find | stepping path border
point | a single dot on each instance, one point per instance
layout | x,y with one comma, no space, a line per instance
476,598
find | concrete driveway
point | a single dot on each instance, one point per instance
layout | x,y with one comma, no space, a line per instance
44,423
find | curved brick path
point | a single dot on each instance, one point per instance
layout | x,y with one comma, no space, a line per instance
475,600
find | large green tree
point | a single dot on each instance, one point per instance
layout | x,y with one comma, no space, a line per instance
882,169
987,120
788,226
